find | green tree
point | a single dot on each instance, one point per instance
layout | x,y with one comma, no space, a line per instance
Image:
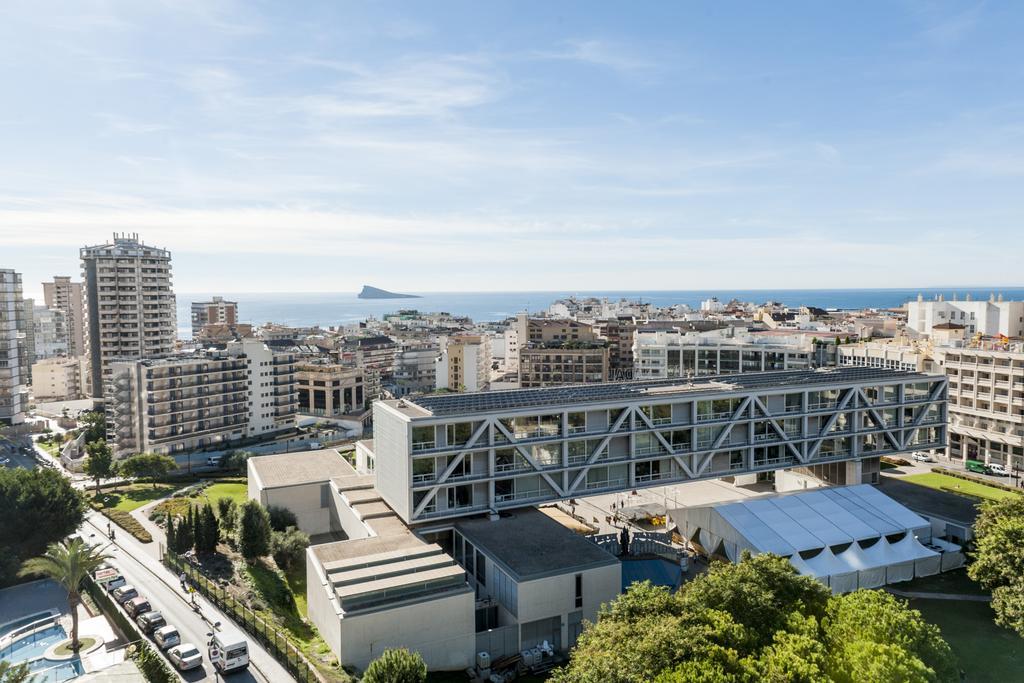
209,532
876,618
171,533
227,510
68,563
149,466
10,673
94,424
40,500
184,538
100,463
999,559
281,517
396,666
253,531
288,547
236,461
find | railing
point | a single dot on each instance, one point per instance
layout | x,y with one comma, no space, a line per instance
521,495
30,629
707,417
423,445
269,635
605,484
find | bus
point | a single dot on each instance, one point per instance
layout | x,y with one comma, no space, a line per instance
977,466
227,649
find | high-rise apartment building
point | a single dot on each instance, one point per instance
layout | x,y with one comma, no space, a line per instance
414,368
215,312
986,404
191,402
28,331
559,351
13,356
376,356
464,363
64,295
50,333
59,379
129,305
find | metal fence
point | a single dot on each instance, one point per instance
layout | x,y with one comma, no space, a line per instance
268,634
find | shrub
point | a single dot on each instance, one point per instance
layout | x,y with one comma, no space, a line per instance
281,518
253,531
153,667
128,523
288,546
978,480
396,666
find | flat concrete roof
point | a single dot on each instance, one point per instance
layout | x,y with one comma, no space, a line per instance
530,545
304,467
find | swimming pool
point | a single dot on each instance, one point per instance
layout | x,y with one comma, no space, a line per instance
31,649
24,621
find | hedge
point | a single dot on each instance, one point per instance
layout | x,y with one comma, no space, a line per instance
126,521
153,667
977,480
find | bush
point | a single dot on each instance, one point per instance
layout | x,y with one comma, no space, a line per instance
288,546
281,518
396,666
153,667
128,523
253,531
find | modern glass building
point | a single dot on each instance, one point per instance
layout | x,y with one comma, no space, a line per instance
446,456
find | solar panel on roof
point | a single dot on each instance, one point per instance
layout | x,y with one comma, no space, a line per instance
592,393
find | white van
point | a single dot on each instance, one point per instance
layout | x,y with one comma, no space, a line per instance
1000,469
227,649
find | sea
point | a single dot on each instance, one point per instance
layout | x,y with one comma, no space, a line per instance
328,309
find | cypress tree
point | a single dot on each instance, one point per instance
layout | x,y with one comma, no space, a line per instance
172,544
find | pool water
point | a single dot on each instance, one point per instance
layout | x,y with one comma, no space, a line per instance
50,671
34,645
657,571
24,621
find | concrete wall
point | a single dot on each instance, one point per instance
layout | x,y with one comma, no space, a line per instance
442,630
393,465
344,518
304,500
556,596
320,605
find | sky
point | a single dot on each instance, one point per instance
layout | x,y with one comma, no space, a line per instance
477,146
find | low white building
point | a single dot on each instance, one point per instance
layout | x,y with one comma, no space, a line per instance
990,318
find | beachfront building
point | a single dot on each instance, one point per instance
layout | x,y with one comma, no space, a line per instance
64,295
217,311
13,354
199,401
990,318
447,456
660,352
464,363
129,305
986,404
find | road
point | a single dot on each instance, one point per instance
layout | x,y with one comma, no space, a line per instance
158,585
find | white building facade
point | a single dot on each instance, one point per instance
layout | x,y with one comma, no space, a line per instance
13,354
989,318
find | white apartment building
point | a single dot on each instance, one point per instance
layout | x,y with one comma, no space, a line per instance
59,379
986,404
50,333
464,363
191,402
660,353
415,369
13,354
989,318
129,305
64,295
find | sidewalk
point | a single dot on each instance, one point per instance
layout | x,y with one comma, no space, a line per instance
157,532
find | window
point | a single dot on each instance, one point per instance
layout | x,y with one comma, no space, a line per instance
422,469
577,422
481,569
459,434
579,591
422,438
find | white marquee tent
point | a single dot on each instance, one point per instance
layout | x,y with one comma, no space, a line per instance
848,537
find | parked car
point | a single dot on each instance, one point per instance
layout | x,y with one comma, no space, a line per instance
137,606
125,593
922,457
166,636
215,460
185,656
998,469
150,621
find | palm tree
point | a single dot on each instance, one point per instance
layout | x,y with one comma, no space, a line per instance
67,563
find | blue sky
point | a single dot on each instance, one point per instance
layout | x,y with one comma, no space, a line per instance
476,146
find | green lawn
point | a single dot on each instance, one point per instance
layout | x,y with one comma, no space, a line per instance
296,578
944,482
236,490
128,497
986,652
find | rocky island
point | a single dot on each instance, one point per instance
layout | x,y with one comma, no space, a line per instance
375,293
